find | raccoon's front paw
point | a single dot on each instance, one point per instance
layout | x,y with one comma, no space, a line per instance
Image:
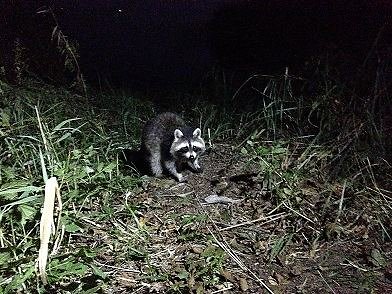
181,178
195,167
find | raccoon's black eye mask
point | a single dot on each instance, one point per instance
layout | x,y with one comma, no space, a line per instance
196,149
184,149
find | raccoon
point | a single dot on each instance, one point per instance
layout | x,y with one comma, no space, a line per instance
168,144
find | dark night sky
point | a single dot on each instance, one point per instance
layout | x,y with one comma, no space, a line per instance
146,42
163,43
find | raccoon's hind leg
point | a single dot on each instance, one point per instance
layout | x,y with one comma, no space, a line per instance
172,169
155,164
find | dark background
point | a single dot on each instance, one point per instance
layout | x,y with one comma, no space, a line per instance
157,44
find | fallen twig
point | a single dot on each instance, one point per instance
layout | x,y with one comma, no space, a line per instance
269,219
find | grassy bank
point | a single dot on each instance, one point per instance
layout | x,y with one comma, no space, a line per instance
319,155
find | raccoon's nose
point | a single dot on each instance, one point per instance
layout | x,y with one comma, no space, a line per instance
191,157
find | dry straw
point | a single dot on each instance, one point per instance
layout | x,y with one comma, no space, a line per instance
47,224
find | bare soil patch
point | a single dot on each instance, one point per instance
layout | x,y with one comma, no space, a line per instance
164,238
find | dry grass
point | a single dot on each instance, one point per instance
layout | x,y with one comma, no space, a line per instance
311,187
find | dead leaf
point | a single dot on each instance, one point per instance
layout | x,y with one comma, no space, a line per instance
282,259
197,249
279,278
243,285
388,272
296,271
376,258
157,287
191,281
272,281
227,275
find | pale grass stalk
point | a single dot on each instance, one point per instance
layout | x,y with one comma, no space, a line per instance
45,143
298,213
47,225
329,287
122,269
226,247
267,220
238,260
341,202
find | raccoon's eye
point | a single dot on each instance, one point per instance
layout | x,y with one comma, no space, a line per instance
184,149
196,149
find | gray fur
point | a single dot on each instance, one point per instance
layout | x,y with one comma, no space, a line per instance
162,140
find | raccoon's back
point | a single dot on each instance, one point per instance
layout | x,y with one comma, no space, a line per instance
160,130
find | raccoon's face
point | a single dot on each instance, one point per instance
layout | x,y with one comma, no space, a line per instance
187,147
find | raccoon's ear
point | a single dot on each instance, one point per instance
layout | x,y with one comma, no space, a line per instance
197,133
178,134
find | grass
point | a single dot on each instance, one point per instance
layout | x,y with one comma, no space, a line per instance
45,135
312,176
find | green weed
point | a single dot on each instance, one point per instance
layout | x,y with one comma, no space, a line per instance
45,134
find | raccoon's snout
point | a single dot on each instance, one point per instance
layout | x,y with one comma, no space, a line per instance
191,157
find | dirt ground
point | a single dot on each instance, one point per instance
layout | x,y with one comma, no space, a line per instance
252,243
